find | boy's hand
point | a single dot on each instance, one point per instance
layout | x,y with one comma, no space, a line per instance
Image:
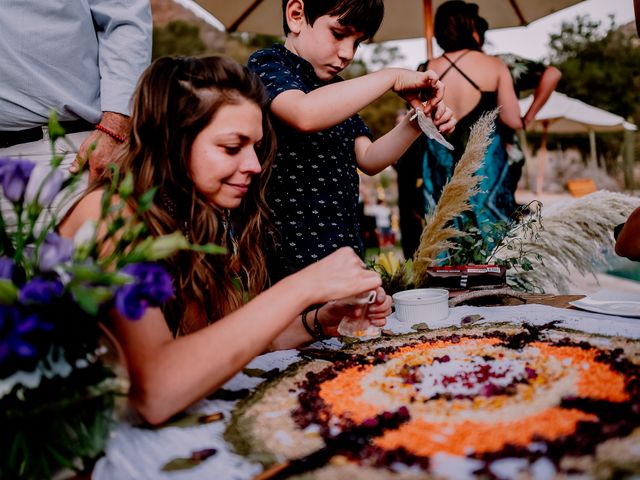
421,89
443,118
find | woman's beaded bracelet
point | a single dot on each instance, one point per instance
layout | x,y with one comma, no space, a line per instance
111,133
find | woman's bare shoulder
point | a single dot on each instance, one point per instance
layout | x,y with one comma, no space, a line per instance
89,207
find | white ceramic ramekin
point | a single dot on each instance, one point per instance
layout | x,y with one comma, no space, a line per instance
423,305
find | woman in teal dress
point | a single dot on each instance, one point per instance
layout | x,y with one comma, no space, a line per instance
476,83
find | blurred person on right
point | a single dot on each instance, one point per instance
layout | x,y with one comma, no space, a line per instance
476,83
628,237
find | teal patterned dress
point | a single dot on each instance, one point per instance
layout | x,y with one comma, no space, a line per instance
496,200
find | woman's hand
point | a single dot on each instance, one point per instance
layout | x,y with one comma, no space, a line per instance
339,275
330,314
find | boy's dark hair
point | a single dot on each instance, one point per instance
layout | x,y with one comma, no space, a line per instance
362,15
455,23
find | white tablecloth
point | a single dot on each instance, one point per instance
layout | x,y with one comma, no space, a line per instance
137,453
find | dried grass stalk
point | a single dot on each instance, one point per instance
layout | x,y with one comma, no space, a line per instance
574,238
455,199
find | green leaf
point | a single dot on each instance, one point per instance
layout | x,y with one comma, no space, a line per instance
349,340
115,225
209,248
254,372
166,245
125,189
91,298
180,464
8,292
471,319
55,129
146,200
419,327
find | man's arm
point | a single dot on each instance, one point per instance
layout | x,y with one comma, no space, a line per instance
124,42
628,242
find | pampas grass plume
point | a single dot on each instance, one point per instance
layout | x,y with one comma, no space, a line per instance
438,233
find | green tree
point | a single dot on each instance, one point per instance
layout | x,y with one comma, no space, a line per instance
601,66
177,38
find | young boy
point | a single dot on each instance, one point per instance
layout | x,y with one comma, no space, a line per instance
313,190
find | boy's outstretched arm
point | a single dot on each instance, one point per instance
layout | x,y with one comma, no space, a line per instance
332,104
373,157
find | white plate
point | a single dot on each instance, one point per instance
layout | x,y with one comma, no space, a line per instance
611,302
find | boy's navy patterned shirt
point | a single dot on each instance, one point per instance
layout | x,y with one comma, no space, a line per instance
313,190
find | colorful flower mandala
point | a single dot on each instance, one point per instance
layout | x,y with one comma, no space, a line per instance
498,403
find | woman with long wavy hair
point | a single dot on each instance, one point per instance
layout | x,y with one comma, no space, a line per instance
200,133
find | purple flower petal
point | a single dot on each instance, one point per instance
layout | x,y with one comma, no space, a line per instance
152,287
40,290
53,251
6,268
14,175
46,181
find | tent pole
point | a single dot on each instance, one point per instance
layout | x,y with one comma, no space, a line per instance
592,147
542,159
428,27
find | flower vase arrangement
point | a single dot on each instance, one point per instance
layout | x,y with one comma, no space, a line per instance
57,390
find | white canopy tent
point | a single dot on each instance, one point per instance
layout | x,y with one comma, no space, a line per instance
563,114
403,18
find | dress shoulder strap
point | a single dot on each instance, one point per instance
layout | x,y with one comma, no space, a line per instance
453,65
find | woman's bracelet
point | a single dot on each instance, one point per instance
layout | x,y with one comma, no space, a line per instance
306,326
317,327
111,133
316,331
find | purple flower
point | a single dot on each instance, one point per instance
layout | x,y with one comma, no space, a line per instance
15,327
14,175
152,286
44,185
53,251
41,291
6,268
